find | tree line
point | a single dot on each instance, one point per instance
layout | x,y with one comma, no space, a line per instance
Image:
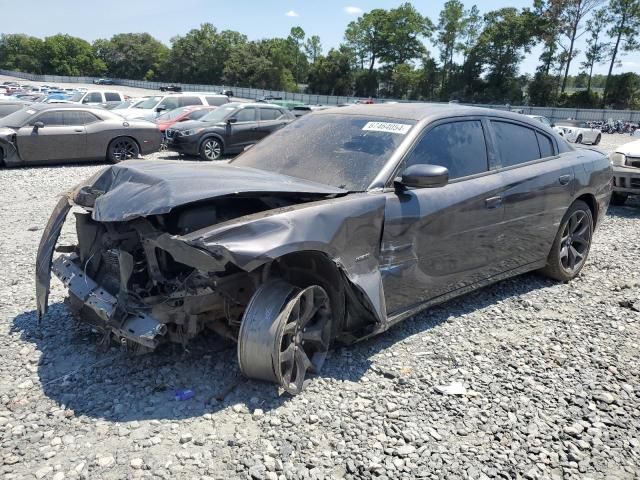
476,57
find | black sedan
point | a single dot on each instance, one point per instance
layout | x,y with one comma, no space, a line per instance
171,88
53,133
227,130
332,229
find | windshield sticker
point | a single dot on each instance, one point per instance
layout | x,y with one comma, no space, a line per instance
400,128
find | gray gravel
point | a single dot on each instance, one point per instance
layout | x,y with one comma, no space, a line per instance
524,379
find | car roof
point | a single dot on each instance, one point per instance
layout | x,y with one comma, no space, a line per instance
419,111
40,107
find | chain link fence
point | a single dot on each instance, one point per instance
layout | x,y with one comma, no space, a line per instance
554,114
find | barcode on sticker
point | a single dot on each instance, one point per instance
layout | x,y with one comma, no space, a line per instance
400,128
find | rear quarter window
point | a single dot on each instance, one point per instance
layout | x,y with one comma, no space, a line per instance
516,144
216,101
185,101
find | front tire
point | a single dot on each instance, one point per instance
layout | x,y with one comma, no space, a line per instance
579,139
121,149
598,138
572,243
618,199
211,149
285,332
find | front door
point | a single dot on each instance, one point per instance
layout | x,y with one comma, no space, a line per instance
245,130
57,140
438,240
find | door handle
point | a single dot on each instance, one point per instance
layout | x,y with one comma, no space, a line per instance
79,130
493,202
564,179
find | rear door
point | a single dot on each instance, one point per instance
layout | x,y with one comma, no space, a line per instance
93,98
438,240
59,139
271,119
538,188
244,131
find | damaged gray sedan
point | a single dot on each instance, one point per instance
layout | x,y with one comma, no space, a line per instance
331,229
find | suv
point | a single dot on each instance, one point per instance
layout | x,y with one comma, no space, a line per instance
99,98
626,172
154,106
227,130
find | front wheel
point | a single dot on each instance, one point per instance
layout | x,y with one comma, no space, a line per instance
285,332
597,140
579,139
211,149
123,148
572,243
618,199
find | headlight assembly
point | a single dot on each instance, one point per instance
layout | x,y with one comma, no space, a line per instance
193,131
617,159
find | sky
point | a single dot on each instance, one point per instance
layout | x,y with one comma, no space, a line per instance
255,18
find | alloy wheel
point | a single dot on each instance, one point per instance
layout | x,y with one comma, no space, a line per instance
575,241
124,149
212,149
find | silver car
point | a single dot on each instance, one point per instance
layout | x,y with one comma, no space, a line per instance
53,133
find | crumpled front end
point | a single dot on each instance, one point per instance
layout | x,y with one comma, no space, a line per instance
166,277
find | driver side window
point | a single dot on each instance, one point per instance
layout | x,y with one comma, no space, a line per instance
458,146
246,115
51,119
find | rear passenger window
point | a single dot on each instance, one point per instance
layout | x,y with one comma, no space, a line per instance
515,144
185,101
75,118
270,114
459,146
216,101
546,145
112,97
246,115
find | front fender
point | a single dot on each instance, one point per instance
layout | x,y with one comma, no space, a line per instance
347,229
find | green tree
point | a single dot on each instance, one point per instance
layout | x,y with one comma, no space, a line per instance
541,90
332,75
571,17
625,24
450,29
313,48
200,56
67,55
21,52
595,46
296,37
367,36
403,32
623,91
264,64
132,55
471,28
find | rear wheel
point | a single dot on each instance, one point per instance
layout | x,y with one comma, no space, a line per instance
123,148
618,199
211,149
598,138
285,332
579,139
572,243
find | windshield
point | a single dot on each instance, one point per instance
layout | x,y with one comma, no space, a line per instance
219,114
345,151
149,103
171,115
17,119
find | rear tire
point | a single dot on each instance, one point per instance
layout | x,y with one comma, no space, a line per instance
598,138
211,149
121,149
618,199
572,243
579,139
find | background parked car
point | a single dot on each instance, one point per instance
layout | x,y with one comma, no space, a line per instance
182,114
227,130
577,131
156,105
9,105
103,98
45,133
171,88
301,110
103,81
626,172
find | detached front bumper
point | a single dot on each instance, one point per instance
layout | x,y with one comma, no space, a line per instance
626,180
101,309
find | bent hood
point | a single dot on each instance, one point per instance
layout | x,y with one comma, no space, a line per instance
631,149
138,188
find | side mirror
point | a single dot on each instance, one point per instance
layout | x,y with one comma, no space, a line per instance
231,120
423,176
553,125
37,126
160,109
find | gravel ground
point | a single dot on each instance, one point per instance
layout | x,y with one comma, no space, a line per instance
544,376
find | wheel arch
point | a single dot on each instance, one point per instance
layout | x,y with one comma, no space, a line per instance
592,203
217,136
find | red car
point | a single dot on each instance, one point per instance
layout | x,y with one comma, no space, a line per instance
182,114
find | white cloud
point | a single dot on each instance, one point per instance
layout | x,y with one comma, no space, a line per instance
351,10
291,13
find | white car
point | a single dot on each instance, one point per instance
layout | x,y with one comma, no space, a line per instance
545,121
157,104
577,131
99,98
626,172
